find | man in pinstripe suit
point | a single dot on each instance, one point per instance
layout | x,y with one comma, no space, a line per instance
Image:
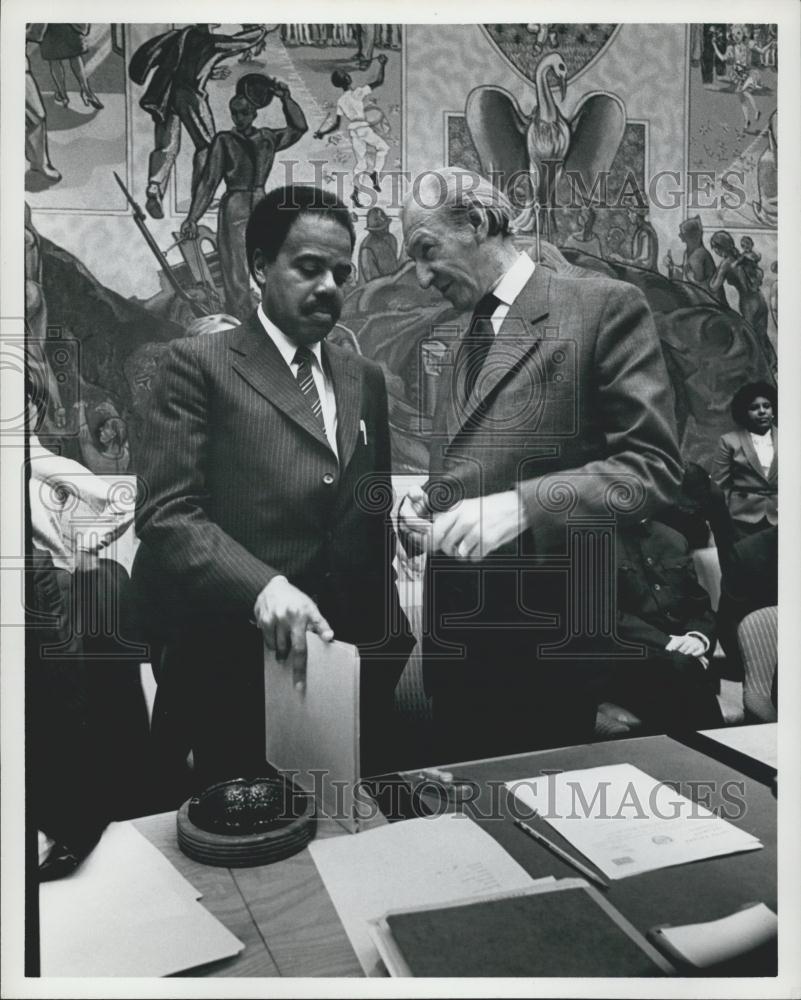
266,495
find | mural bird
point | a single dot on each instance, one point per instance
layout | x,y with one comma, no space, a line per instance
545,158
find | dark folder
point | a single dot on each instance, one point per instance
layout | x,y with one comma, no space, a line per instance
564,928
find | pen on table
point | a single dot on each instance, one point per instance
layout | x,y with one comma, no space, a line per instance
567,858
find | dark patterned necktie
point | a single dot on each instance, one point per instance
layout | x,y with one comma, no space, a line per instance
478,340
303,359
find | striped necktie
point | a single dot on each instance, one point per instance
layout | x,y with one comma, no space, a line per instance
303,359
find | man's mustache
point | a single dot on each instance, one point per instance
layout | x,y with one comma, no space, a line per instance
329,306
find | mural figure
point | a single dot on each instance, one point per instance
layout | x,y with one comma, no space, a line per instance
364,140
585,238
181,62
365,41
109,453
36,152
378,253
745,276
556,153
766,208
62,43
644,241
698,264
242,158
743,77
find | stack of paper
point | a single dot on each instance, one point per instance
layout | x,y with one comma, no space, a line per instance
414,863
627,822
127,912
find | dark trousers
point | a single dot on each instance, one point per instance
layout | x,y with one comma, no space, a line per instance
670,692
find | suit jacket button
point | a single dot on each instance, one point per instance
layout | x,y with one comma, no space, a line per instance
328,478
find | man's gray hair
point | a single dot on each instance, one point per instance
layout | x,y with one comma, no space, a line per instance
465,196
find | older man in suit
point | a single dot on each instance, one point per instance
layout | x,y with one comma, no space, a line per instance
266,499
554,413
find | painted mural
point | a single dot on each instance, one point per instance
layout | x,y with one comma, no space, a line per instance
147,146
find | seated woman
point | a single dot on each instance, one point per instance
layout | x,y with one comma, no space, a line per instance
746,465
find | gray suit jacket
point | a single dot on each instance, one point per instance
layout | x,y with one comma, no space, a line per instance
751,494
573,408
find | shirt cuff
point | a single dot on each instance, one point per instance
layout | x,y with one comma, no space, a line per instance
703,638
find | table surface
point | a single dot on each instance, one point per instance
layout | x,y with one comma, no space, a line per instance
289,926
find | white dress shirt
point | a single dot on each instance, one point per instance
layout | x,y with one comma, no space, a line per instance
325,389
509,287
763,446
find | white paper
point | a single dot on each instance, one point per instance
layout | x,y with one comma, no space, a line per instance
627,822
757,742
127,912
720,940
413,863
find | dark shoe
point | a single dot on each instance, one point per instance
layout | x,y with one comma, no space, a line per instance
374,179
91,100
153,202
49,171
355,200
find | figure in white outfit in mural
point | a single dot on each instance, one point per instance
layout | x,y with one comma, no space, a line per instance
363,138
243,158
744,78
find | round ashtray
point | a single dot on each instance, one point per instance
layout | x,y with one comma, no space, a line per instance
246,821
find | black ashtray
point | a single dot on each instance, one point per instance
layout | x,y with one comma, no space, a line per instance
243,806
246,821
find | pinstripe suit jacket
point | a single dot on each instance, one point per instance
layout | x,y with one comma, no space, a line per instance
573,408
239,484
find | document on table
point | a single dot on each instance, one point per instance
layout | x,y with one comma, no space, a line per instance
627,822
415,862
127,912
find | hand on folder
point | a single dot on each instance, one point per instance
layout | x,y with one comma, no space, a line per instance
284,614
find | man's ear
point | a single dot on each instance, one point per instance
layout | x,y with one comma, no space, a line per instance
478,219
259,265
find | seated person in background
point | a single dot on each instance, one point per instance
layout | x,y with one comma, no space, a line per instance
661,606
746,465
688,515
749,565
87,716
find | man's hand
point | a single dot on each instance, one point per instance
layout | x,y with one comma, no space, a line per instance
318,135
474,528
690,645
189,229
284,614
383,59
414,522
220,73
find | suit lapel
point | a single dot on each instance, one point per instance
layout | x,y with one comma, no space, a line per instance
517,338
260,364
773,473
750,453
346,380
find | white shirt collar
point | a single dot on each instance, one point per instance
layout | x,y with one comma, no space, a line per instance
513,282
286,347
